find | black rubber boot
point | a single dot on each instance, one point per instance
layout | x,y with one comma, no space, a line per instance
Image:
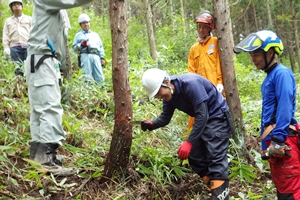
33,148
219,189
46,154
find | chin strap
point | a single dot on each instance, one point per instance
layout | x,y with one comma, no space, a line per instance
267,63
168,86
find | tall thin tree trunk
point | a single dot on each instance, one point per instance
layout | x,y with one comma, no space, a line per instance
118,156
149,23
270,21
295,30
183,17
171,16
67,74
222,13
254,17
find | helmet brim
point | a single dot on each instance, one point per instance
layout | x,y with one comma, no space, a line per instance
251,43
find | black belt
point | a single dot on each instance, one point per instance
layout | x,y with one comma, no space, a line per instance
38,64
41,60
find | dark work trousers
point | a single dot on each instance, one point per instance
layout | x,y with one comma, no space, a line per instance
208,157
18,53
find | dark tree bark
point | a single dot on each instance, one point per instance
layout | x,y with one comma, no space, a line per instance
118,156
222,13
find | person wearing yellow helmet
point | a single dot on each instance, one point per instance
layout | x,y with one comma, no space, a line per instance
204,57
207,144
279,132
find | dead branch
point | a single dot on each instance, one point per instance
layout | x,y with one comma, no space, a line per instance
79,189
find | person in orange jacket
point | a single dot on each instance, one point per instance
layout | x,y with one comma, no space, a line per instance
204,56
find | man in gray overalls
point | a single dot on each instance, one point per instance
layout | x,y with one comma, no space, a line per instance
46,57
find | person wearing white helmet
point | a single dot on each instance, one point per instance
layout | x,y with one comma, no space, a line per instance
204,57
15,35
279,129
89,47
206,146
46,59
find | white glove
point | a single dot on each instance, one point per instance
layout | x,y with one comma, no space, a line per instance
220,88
7,51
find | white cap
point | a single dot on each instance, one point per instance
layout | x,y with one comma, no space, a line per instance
83,18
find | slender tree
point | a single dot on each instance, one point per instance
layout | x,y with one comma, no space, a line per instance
118,156
296,32
222,13
268,8
150,31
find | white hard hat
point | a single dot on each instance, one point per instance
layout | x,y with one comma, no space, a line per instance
13,1
83,18
153,79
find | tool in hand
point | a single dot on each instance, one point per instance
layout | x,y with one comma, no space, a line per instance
138,122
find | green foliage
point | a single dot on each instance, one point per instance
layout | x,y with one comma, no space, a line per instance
89,116
243,171
156,162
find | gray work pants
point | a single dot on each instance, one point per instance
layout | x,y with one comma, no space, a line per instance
44,98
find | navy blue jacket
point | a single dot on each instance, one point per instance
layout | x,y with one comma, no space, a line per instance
192,90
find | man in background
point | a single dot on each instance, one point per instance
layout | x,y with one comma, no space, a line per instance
90,50
15,35
204,58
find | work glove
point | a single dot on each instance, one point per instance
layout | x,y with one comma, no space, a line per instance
278,148
7,51
147,125
84,43
184,150
220,87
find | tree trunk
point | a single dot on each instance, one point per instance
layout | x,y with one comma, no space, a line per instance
270,22
183,17
171,16
295,30
222,13
118,156
149,23
254,17
67,74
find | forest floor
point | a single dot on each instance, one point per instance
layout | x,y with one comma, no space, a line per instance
132,187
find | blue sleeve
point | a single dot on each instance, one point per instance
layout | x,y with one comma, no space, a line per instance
284,91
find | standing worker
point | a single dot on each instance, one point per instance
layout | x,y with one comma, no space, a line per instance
46,57
204,56
206,146
89,46
278,133
15,35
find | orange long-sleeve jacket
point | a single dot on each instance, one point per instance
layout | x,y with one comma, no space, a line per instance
204,59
